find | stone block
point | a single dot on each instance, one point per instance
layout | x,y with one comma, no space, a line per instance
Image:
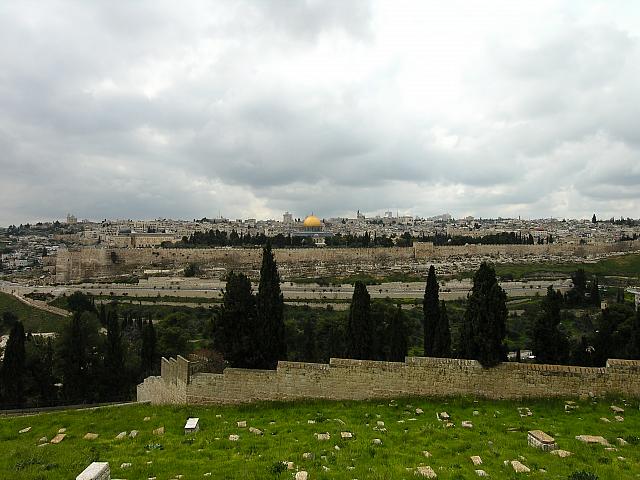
192,425
96,471
539,439
58,438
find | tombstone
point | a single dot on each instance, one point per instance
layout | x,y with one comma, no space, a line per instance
192,425
593,439
426,471
539,439
58,438
96,471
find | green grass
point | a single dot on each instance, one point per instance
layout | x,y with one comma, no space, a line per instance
620,266
34,319
290,436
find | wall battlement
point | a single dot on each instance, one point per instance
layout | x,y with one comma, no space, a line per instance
346,379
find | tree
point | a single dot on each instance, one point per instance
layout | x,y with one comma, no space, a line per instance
431,311
235,327
635,345
485,319
594,219
148,349
576,295
309,340
79,302
77,357
550,345
594,292
442,336
39,379
270,309
173,335
13,369
113,380
359,326
397,336
191,270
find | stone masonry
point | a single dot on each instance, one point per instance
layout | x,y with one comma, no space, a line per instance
344,379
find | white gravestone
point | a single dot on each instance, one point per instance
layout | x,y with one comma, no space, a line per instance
192,425
96,471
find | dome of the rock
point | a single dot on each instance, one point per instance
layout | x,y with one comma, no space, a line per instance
312,221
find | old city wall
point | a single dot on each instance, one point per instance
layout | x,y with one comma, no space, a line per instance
91,262
424,250
344,379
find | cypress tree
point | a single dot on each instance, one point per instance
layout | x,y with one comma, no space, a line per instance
550,345
114,357
397,336
270,307
359,326
485,319
442,337
148,350
235,330
13,367
431,311
594,292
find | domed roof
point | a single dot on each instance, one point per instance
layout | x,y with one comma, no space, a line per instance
312,221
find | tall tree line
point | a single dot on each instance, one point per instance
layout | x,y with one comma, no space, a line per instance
249,330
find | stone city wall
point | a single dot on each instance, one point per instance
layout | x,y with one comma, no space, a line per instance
344,379
82,263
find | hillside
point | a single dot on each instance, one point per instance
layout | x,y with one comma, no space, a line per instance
499,434
34,319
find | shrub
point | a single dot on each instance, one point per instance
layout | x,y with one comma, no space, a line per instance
583,475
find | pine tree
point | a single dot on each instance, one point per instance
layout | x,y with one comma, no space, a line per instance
485,319
397,336
594,219
270,307
148,350
431,311
442,337
550,345
236,335
359,326
13,367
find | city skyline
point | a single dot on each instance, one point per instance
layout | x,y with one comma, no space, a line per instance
253,108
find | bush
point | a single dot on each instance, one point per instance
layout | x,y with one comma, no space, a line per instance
583,475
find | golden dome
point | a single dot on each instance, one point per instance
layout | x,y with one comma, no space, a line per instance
312,221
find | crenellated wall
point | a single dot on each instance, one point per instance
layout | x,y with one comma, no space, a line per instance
344,379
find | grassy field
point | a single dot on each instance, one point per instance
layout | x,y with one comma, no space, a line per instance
498,434
620,266
34,319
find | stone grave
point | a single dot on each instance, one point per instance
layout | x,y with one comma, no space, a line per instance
192,425
539,439
96,471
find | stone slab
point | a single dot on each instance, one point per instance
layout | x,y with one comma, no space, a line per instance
96,471
58,438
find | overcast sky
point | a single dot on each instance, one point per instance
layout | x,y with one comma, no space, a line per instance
173,109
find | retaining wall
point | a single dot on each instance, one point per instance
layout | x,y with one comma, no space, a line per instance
343,379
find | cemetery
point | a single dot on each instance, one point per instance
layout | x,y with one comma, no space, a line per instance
447,438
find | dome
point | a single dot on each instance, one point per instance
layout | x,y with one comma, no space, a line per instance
312,221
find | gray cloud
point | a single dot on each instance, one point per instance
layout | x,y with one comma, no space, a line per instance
252,108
